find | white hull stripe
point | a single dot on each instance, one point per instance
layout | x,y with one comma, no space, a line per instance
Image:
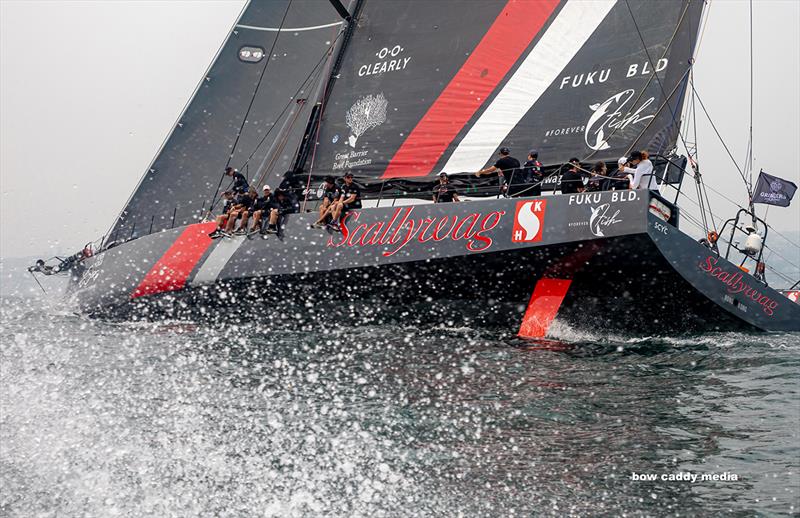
217,259
288,29
570,30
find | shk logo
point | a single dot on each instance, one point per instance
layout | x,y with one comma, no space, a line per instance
528,221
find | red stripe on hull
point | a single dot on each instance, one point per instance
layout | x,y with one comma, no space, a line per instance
543,307
517,25
172,270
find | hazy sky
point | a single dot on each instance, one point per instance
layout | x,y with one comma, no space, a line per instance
89,90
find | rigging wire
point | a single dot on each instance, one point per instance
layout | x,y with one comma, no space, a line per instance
252,101
174,125
722,141
292,100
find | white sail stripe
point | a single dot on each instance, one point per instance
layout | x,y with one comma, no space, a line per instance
569,31
289,29
217,259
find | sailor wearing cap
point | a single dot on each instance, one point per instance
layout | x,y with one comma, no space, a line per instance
330,193
532,175
444,192
349,198
260,207
505,167
240,184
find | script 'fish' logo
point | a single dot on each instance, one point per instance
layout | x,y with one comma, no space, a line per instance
528,221
600,219
608,117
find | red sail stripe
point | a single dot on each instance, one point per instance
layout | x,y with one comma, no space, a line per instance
517,25
543,307
172,270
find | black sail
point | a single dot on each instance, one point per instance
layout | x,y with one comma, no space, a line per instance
184,176
438,86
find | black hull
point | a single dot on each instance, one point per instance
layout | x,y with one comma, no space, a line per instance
642,276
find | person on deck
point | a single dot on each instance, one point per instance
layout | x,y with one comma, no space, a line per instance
598,178
240,185
283,204
532,175
260,207
330,194
444,192
506,166
241,204
349,199
643,177
572,180
222,219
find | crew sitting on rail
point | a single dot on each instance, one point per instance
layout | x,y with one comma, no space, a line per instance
506,166
444,192
222,219
349,199
250,199
240,184
572,180
597,181
330,194
260,206
643,177
235,207
283,203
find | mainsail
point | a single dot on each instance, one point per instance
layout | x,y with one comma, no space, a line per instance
438,86
264,81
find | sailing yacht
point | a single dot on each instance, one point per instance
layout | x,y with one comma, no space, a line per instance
397,92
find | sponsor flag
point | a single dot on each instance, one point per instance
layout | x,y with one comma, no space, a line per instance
773,190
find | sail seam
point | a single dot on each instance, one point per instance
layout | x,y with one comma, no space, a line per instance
289,29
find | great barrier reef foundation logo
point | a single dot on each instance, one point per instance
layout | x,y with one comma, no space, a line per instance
366,113
528,221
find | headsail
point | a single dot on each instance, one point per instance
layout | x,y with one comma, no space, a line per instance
422,91
184,175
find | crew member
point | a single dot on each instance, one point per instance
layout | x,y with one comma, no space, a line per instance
444,192
532,175
572,180
330,194
241,203
240,185
506,166
349,199
222,219
597,180
260,206
643,177
283,204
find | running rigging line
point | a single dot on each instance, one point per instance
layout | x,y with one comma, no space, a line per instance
252,100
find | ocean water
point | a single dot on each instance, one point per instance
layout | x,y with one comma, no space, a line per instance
364,419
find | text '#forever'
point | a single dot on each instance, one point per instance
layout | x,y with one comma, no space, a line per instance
402,228
735,282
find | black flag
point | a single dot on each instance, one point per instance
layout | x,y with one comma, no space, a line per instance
773,190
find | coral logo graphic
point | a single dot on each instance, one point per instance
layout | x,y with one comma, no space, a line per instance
528,221
367,113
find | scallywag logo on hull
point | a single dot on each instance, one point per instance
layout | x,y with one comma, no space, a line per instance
403,229
736,284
